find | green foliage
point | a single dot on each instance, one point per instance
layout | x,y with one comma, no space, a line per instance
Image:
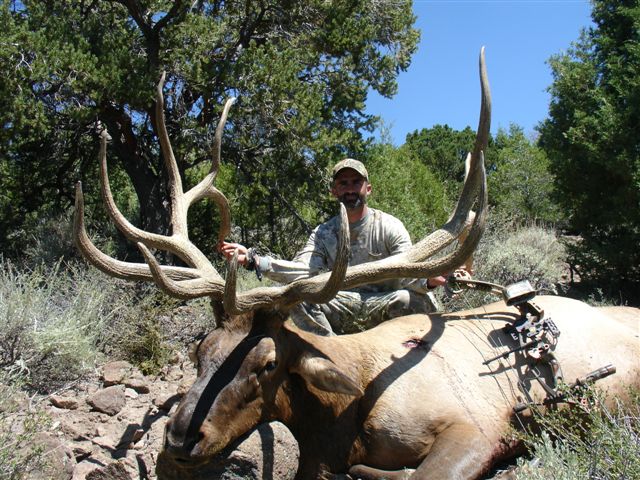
443,150
300,70
590,441
520,183
592,142
57,322
49,323
136,332
404,187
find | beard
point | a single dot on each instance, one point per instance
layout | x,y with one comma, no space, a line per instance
352,200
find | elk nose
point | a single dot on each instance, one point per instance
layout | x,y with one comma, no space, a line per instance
178,445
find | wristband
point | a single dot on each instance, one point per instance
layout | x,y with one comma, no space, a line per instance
253,262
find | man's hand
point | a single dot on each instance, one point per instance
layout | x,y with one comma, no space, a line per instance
228,249
434,282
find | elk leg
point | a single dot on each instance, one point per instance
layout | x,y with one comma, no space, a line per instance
459,452
363,472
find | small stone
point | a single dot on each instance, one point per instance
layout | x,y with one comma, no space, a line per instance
176,358
80,452
137,384
110,400
104,442
165,400
131,393
183,388
83,468
66,403
137,434
113,471
114,373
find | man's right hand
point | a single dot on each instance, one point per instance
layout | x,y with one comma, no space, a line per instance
228,249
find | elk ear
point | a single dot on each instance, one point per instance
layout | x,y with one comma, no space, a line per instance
325,375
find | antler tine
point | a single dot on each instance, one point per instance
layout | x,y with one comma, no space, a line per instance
484,123
200,286
127,228
314,291
399,266
205,188
109,265
229,300
178,210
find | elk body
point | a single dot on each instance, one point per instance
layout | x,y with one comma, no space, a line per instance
412,392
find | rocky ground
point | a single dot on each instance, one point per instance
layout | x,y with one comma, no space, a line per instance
111,428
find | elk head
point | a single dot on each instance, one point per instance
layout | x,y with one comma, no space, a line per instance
252,364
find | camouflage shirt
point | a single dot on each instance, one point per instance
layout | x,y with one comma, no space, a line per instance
378,235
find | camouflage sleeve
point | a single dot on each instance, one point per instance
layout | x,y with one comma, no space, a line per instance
309,261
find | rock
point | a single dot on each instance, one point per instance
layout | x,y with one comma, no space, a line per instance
114,373
80,452
137,384
173,374
105,441
130,393
83,469
176,358
183,388
138,465
113,471
67,403
269,451
110,400
165,400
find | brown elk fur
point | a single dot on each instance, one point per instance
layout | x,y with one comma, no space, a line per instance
414,391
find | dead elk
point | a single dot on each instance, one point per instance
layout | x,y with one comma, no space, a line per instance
412,392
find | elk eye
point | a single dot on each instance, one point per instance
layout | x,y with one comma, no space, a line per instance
270,366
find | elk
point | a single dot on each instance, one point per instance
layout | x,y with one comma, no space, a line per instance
412,392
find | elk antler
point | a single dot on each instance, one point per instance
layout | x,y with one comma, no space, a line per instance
200,278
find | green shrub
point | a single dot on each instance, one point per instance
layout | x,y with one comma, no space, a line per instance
49,319
57,322
135,332
592,442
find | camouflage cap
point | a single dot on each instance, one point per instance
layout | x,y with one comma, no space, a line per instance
352,164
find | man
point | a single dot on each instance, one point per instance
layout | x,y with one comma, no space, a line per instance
374,235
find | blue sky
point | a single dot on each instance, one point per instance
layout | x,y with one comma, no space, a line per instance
441,86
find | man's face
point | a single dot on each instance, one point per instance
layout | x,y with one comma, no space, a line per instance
350,188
